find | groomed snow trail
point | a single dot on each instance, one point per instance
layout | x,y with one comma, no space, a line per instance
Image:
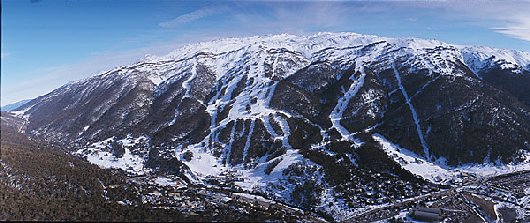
342,104
414,113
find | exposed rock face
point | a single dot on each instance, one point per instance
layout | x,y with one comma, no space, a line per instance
297,114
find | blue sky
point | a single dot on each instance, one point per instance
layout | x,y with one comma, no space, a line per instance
48,43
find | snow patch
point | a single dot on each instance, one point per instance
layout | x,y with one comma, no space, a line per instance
440,173
164,181
414,163
130,163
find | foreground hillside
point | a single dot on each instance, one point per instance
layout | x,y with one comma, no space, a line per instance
39,182
43,183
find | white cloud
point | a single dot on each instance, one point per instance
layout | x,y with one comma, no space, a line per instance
190,17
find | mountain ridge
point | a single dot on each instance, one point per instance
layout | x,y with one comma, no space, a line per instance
13,106
517,57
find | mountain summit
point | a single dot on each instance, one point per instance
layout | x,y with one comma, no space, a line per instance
308,120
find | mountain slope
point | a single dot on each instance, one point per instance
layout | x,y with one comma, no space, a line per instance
286,112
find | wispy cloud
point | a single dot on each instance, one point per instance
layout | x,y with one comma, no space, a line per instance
273,17
3,55
306,16
517,26
295,18
191,17
55,76
509,17
512,17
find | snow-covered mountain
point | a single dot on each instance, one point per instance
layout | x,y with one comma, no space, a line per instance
315,121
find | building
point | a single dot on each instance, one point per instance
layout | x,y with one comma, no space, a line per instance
426,214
